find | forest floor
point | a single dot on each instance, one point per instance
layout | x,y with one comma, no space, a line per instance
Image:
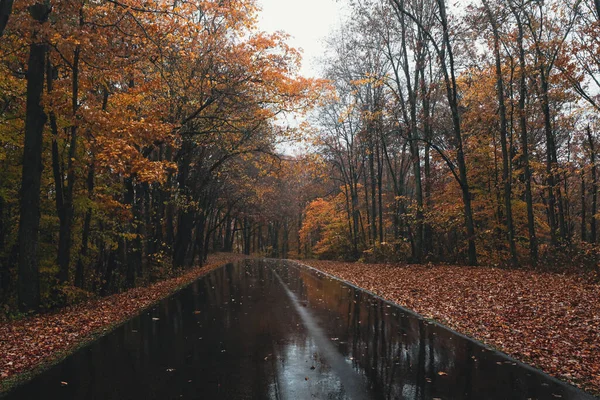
547,320
30,344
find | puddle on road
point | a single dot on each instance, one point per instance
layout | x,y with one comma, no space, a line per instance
273,330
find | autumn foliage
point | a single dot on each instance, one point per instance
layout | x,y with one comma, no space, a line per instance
461,133
141,123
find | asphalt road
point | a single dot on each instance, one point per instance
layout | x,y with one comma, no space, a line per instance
275,330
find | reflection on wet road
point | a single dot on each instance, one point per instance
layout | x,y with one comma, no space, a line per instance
275,330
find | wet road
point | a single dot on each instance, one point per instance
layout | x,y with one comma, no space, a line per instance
273,330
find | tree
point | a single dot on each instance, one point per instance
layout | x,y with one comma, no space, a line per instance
5,11
503,134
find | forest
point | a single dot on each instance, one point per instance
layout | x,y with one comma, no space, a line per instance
461,134
137,137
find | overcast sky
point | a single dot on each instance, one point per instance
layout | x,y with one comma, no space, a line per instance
308,21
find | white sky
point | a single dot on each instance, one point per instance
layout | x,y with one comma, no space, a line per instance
307,21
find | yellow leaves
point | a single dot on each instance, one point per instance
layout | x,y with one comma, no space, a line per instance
370,79
324,228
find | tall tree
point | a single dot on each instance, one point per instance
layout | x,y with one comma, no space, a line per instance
28,283
594,188
506,157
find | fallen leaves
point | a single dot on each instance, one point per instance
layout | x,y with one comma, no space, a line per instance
28,343
551,321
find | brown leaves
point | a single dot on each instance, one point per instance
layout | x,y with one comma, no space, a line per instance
548,320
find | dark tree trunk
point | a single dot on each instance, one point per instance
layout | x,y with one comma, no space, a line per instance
4,265
285,240
233,232
533,246
155,214
246,236
201,240
87,223
594,210
369,238
452,91
373,192
28,288
128,251
298,239
85,236
412,122
550,156
503,139
67,214
185,226
583,207
275,239
64,191
227,240
169,207
111,264
427,229
183,241
5,11
135,254
380,195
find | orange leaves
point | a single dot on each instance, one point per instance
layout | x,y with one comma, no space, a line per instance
324,228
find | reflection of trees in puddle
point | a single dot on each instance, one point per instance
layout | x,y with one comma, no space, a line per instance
301,372
399,355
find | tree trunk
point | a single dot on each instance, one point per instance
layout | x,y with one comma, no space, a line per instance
583,207
550,151
4,265
87,223
247,236
285,240
594,210
380,195
185,226
127,249
85,236
503,139
28,289
452,91
227,235
373,182
5,11
411,120
533,246
201,240
67,213
427,229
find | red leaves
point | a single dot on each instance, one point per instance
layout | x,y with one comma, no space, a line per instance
548,320
30,342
